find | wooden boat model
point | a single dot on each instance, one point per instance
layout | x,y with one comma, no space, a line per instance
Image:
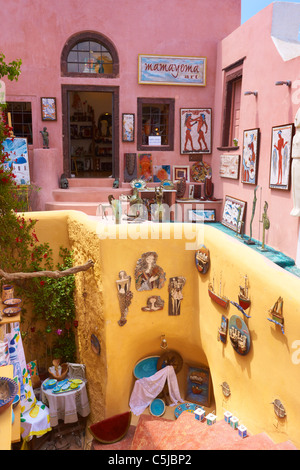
244,300
218,298
276,311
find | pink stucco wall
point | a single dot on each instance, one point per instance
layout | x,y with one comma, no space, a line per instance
274,105
37,30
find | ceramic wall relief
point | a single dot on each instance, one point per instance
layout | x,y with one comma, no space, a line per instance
176,285
202,259
154,303
148,275
239,335
124,294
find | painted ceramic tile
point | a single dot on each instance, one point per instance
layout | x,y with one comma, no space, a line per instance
145,167
161,173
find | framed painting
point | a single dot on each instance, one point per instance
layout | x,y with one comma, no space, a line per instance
198,385
250,156
195,130
180,171
171,70
145,167
202,215
280,162
17,159
161,173
234,213
48,109
229,166
128,126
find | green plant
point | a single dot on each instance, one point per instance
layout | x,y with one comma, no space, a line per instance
53,302
20,251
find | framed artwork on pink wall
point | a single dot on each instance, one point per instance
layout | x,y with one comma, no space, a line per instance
280,161
195,130
250,156
48,109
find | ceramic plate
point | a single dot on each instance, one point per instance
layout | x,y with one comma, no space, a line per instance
191,407
157,407
146,367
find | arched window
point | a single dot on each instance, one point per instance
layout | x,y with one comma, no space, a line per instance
91,54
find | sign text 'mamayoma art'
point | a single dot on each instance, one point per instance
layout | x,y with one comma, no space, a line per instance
172,70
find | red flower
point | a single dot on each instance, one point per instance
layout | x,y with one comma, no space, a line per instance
42,283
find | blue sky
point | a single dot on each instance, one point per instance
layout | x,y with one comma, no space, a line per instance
251,7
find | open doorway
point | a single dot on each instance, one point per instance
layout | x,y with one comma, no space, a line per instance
90,132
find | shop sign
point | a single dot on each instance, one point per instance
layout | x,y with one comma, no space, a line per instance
172,70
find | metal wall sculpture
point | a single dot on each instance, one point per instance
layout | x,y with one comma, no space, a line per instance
176,285
124,294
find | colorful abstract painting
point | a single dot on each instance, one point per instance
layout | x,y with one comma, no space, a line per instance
48,106
161,173
145,167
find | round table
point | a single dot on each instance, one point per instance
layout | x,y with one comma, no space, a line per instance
66,405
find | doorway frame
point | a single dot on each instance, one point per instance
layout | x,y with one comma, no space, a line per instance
115,119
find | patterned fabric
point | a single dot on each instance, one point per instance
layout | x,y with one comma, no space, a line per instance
35,422
66,406
34,415
17,359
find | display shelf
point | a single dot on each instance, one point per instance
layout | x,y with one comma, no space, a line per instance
5,320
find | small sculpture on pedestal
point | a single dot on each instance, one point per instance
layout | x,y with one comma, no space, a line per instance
250,241
266,225
45,135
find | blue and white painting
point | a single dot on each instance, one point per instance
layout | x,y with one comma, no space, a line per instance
171,70
233,213
18,158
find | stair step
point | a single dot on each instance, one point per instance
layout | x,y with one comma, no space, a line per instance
149,432
88,208
90,182
191,434
187,433
87,194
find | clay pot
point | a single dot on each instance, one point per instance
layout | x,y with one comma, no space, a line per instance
7,292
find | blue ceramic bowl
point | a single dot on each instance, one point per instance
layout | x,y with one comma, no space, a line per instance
146,367
157,407
8,391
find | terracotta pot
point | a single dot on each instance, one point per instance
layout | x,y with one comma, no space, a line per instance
7,292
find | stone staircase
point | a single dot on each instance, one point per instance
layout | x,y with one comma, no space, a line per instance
86,194
187,433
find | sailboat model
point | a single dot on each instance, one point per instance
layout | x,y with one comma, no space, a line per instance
244,300
218,298
276,311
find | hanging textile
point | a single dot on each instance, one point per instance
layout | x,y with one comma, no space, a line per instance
35,419
147,388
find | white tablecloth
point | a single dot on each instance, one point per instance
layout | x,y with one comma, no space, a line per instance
67,405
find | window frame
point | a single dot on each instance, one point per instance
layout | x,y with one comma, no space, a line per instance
95,37
151,102
21,112
232,74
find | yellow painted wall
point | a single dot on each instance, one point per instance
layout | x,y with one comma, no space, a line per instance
270,369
